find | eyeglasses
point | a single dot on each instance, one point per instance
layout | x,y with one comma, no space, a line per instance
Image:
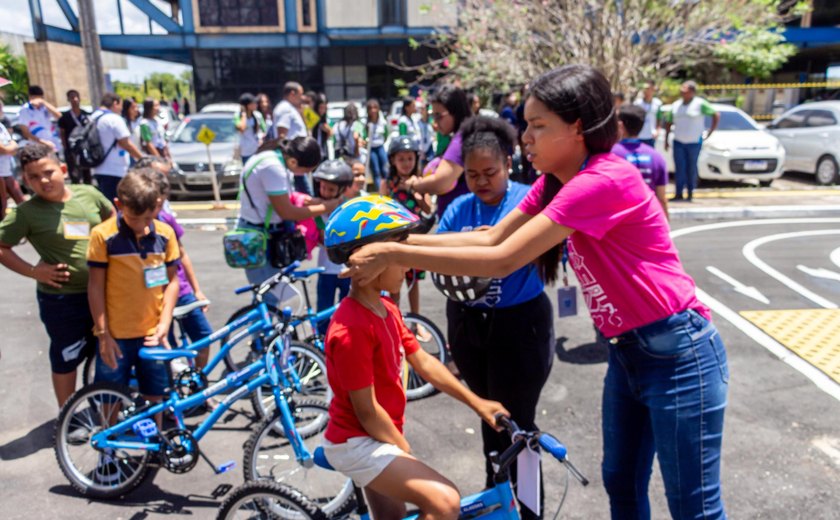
437,116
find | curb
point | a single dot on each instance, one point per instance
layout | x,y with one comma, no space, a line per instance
676,214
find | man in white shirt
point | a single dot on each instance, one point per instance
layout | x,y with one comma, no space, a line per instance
116,141
652,106
36,120
289,124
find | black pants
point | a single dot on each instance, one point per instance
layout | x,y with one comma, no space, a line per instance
504,355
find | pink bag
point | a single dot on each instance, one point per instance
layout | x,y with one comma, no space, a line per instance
307,227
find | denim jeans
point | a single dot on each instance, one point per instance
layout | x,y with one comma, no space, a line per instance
194,324
107,184
378,164
302,185
685,164
328,284
665,394
152,376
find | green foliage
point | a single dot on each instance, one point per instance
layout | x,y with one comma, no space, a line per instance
14,69
755,53
172,86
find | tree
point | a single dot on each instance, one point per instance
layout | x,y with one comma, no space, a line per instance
499,45
157,85
14,69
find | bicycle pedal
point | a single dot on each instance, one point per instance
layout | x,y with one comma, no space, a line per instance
145,428
224,468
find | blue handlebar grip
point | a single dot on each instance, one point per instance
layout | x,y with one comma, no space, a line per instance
287,313
291,267
553,446
242,289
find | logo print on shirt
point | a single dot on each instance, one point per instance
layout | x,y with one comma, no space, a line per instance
600,308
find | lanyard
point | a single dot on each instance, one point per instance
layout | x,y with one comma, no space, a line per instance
564,259
496,214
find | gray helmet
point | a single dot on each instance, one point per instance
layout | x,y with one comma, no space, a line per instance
335,171
461,288
402,143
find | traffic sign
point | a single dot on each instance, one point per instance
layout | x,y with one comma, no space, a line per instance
205,135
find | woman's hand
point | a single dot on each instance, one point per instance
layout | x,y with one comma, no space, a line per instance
367,263
488,410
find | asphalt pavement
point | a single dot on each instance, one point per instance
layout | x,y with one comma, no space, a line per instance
782,439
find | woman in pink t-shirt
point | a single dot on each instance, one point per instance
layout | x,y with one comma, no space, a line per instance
667,377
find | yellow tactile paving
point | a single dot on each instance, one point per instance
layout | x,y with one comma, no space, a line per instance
813,334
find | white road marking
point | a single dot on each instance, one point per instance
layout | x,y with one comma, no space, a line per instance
744,289
821,380
750,254
830,446
819,272
835,256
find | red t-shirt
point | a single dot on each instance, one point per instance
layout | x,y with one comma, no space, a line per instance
364,349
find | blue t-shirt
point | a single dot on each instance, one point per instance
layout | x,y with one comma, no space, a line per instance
466,213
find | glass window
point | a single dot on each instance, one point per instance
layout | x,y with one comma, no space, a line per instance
222,126
391,12
821,118
794,120
238,13
731,121
306,15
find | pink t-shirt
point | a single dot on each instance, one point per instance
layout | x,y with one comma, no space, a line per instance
628,268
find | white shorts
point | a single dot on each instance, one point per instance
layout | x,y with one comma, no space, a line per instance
361,458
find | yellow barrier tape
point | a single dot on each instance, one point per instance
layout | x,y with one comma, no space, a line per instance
759,86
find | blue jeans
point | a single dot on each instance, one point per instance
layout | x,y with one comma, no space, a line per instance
194,324
665,393
685,164
328,284
378,164
302,185
107,184
152,376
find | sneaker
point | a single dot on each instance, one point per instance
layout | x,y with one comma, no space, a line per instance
78,436
676,198
107,472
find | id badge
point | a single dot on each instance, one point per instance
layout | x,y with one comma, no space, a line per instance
77,230
155,276
567,301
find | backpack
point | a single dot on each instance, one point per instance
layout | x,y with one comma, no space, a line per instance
85,145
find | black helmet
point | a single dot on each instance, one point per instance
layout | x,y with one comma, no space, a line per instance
402,143
335,171
246,99
461,288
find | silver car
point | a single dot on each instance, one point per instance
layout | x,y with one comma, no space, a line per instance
191,170
810,134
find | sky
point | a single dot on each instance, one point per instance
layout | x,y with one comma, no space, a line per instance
16,19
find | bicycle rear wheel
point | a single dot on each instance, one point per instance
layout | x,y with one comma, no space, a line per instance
268,455
266,499
93,472
415,386
243,353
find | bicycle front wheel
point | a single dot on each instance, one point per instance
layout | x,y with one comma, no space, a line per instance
431,340
268,455
244,352
97,473
264,499
311,368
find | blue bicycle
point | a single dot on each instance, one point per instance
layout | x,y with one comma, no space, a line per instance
498,502
106,433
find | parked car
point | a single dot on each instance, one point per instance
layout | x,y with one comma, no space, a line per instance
738,150
191,171
810,134
222,108
335,110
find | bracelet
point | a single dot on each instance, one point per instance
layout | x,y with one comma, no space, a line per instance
99,332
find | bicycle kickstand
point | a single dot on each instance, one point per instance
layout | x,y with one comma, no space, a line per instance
218,470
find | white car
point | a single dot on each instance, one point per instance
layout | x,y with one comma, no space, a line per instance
221,108
738,150
810,134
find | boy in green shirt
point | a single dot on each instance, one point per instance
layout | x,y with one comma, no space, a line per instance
57,222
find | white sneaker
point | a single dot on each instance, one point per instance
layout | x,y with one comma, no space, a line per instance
107,472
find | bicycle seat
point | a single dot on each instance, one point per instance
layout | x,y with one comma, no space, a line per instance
183,310
321,459
165,354
306,273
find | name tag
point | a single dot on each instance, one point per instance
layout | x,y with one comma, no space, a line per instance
155,276
567,301
76,230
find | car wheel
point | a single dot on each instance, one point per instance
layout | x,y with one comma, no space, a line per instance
765,184
826,171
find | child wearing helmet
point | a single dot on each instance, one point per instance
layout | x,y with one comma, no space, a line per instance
333,179
404,163
366,344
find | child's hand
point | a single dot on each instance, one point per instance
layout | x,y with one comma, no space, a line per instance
488,410
52,275
158,338
199,295
109,351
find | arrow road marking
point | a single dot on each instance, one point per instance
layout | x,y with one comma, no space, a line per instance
750,254
819,272
748,291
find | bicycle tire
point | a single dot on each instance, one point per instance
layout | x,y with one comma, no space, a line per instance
311,367
89,370
268,455
136,468
415,386
262,496
233,364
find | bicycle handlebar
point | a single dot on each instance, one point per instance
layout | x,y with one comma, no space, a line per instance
290,269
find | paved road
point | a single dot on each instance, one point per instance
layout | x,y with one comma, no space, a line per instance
780,449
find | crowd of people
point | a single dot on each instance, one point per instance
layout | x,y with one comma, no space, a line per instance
113,267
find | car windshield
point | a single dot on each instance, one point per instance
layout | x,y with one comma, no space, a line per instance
222,126
730,120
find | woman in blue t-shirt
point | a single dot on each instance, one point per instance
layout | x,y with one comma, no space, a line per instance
502,340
